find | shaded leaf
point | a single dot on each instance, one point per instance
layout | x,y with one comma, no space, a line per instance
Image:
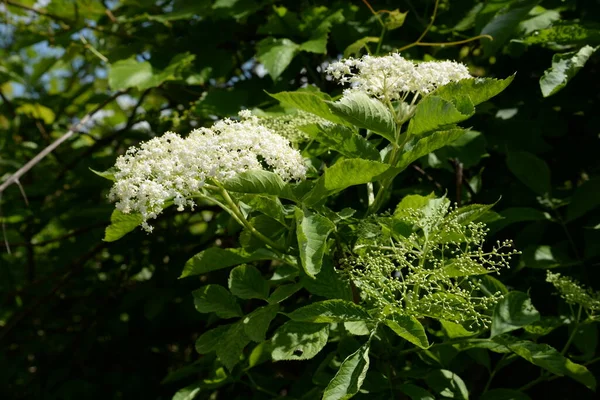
564,67
276,54
257,322
550,359
246,282
408,328
504,23
299,340
312,231
350,377
209,340
513,312
121,224
283,292
504,394
330,311
585,199
531,170
217,299
215,258
447,384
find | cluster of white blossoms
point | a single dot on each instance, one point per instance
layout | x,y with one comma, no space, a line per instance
174,169
393,77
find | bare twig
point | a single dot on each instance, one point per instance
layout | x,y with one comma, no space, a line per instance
429,177
41,155
107,139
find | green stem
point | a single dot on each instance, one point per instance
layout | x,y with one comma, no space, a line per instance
237,214
448,343
497,368
572,336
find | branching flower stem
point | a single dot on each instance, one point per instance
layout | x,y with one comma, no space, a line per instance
232,208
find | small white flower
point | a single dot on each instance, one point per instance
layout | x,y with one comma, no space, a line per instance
173,169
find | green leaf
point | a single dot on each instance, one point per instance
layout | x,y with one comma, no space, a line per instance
217,299
564,67
259,182
544,326
215,258
312,102
409,328
283,292
415,392
312,231
342,139
246,282
187,393
394,19
551,360
108,174
329,284
419,147
454,330
513,312
364,112
477,90
317,44
467,214
210,339
504,394
343,174
504,23
434,112
299,341
447,384
531,170
257,322
518,214
585,199
412,202
121,224
232,345
566,33
350,377
330,311
276,54
355,48
130,73
36,111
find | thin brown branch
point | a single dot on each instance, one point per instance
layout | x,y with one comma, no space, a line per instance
41,155
426,175
107,139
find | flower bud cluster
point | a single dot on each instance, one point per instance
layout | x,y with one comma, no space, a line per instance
574,293
288,125
174,169
431,272
393,77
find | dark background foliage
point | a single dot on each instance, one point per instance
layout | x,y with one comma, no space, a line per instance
85,318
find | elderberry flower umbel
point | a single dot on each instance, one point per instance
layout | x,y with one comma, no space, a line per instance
393,77
174,169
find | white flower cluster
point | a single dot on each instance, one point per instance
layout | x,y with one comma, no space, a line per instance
393,77
172,168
